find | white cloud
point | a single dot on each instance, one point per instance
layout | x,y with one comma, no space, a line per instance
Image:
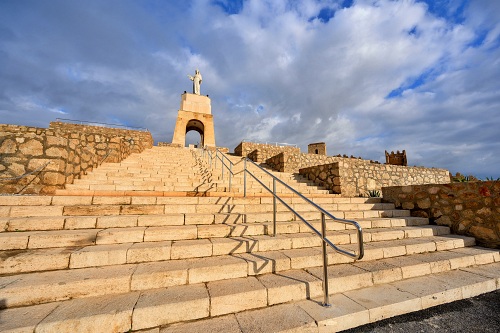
272,69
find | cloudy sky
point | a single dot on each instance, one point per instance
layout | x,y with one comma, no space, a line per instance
364,76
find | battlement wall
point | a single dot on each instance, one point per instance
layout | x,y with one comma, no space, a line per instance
260,152
354,176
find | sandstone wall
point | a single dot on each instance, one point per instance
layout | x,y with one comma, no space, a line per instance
136,141
354,176
70,151
471,208
260,152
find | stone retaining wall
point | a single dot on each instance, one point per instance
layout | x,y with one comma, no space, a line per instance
259,152
471,208
70,151
137,141
354,176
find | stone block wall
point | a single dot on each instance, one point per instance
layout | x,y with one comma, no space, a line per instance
259,152
326,175
136,141
471,208
70,151
354,176
169,144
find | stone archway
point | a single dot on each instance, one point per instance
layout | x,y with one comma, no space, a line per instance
198,126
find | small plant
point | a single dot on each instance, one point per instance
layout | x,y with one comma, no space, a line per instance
461,179
492,179
373,194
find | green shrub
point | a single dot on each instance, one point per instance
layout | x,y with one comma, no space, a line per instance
373,193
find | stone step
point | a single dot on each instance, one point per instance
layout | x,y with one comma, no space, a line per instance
365,296
216,224
198,214
180,188
176,188
145,181
354,308
194,214
57,200
298,232
31,260
123,205
72,203
38,288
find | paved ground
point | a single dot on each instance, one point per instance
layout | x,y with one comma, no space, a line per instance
480,314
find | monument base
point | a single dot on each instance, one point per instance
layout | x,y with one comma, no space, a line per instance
194,115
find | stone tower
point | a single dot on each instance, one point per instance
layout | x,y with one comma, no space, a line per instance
318,148
195,114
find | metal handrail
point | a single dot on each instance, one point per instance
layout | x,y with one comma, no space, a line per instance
271,143
322,234
27,173
319,208
224,157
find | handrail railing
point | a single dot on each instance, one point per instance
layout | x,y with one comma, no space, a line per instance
221,159
271,143
37,171
26,174
322,234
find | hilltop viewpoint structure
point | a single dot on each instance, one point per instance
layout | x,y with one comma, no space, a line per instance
101,231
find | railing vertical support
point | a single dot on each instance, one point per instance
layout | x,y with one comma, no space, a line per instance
245,177
222,167
326,297
230,174
274,207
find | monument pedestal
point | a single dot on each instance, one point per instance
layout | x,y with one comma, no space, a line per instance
195,114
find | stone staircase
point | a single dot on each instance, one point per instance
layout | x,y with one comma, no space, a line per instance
158,243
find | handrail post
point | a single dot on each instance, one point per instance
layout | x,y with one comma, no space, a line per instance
230,173
326,297
222,166
274,207
245,177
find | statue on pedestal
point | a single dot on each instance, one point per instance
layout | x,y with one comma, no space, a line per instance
196,81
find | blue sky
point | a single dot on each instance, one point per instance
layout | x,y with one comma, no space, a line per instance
364,76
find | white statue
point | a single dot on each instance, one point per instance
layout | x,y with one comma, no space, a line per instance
196,81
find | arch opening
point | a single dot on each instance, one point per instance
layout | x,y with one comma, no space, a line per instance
197,126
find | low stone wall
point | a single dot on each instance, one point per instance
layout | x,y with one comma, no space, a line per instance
259,152
354,176
169,144
136,141
326,175
57,155
471,208
292,162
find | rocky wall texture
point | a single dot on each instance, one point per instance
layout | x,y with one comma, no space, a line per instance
469,208
136,141
354,176
55,156
326,175
259,152
169,144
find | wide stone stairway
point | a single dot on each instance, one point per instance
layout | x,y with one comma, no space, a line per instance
160,243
